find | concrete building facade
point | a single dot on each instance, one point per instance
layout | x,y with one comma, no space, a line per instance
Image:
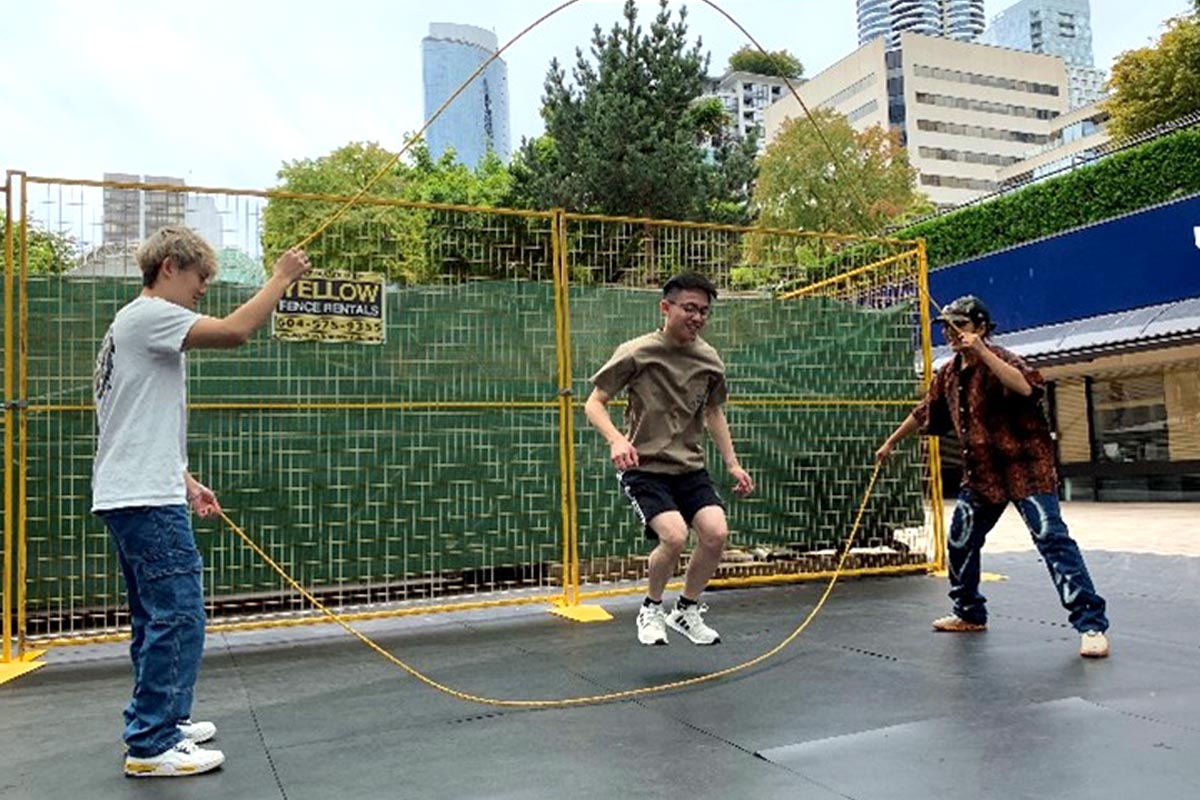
746,97
963,110
1076,138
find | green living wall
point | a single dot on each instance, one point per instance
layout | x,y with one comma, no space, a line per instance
1158,171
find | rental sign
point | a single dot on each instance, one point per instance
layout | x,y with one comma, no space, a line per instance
332,307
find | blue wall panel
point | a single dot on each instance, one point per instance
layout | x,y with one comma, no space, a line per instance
1142,259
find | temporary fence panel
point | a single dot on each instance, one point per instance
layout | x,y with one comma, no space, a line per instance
451,464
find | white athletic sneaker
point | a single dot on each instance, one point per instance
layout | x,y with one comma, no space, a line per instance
652,625
1093,644
197,732
185,758
690,623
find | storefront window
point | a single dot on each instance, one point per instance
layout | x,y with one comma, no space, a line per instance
1129,419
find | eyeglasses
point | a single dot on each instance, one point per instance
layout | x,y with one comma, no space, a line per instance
693,310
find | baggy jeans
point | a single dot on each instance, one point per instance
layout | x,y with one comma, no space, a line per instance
974,517
161,565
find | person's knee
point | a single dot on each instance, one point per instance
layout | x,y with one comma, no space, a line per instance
712,529
672,541
671,531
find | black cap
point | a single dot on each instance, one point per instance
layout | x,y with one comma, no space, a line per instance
967,308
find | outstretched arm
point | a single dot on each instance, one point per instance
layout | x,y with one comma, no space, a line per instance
237,328
906,428
718,429
621,450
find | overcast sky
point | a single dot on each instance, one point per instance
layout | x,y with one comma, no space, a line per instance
221,92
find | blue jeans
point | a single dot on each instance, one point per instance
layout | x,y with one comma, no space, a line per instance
975,517
161,564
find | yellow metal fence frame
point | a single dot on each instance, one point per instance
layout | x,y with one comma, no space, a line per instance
16,411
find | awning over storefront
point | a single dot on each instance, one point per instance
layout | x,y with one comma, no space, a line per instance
1161,325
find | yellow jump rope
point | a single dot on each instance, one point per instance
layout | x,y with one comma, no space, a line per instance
586,699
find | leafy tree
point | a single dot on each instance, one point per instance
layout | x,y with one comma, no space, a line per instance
1153,85
708,118
449,181
867,186
406,244
780,63
730,180
50,253
622,139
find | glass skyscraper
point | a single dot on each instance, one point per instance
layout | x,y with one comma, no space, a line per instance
951,19
1060,28
477,120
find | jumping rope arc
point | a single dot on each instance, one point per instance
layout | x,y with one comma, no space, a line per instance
569,701
591,699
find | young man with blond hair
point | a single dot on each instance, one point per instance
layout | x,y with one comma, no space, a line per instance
142,489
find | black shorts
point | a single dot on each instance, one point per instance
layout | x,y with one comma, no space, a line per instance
652,493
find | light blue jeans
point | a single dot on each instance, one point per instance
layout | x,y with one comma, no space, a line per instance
161,564
974,517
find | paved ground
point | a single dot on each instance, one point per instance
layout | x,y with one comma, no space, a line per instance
1167,529
867,704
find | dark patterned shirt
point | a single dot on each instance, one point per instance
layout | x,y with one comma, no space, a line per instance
1006,447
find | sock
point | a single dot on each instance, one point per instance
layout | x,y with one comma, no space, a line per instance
683,603
649,602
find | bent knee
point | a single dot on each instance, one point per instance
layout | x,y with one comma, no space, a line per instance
712,538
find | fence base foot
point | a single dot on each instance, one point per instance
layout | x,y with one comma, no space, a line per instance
28,662
582,613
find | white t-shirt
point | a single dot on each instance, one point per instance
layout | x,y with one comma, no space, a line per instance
140,388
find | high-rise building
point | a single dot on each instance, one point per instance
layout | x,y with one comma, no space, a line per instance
950,19
130,214
963,110
1060,28
477,120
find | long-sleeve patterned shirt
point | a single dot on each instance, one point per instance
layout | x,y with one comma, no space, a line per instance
1007,451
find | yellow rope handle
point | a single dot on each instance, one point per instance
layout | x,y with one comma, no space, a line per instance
569,701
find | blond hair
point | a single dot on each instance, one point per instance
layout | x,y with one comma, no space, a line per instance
182,245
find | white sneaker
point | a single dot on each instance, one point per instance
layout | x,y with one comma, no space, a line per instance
690,623
197,732
1093,644
185,758
652,625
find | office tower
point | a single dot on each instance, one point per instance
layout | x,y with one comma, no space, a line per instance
477,120
1060,28
130,214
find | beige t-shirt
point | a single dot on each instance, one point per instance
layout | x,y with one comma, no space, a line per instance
669,386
